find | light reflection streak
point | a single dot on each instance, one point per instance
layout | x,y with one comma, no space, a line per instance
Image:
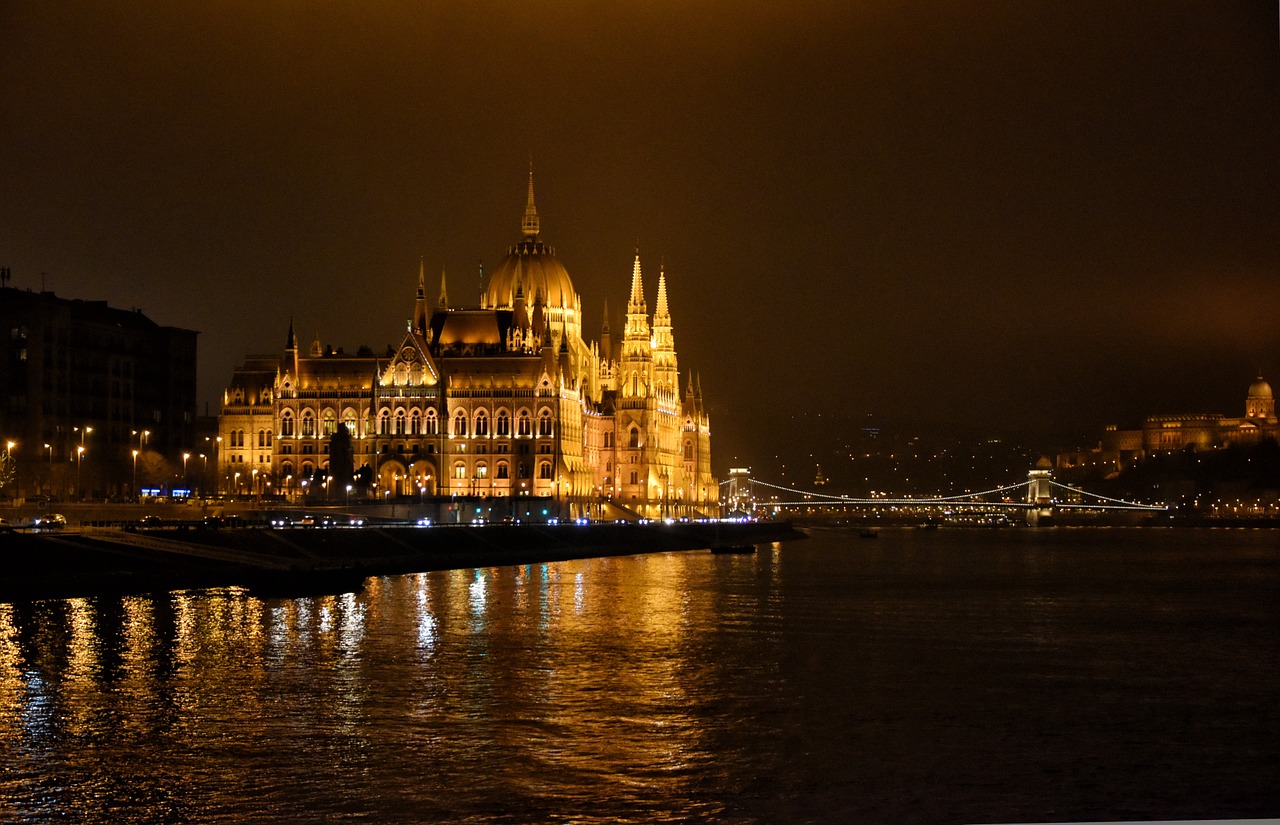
82,647
351,625
427,623
12,689
477,597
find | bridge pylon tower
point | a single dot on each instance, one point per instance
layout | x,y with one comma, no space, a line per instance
738,497
1040,491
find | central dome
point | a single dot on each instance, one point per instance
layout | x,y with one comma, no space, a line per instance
532,265
1260,389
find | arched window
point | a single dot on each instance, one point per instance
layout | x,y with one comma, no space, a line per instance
688,451
262,438
633,438
433,423
482,422
415,422
349,419
482,470
544,422
330,422
503,423
308,423
384,422
460,470
460,423
544,469
608,439
524,424
286,423
502,470
399,422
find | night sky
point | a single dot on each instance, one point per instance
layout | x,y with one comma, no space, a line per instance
1031,217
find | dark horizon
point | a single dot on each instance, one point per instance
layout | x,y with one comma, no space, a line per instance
1029,219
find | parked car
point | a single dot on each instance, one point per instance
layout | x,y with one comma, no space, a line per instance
50,521
150,521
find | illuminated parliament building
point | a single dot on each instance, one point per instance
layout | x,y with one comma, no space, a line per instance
500,401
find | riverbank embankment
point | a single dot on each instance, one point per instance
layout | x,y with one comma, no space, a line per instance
88,561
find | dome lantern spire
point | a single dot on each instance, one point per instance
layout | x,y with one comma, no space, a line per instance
530,224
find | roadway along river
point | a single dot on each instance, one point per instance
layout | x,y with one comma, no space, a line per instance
950,676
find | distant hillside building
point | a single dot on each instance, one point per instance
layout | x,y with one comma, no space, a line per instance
503,399
1170,433
80,374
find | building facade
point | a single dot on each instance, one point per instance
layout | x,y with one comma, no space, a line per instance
502,398
84,385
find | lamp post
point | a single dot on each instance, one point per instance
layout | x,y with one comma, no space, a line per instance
79,475
135,475
185,456
204,472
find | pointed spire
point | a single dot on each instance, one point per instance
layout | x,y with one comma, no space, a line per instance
530,225
444,292
539,314
419,320
636,302
661,313
292,342
604,328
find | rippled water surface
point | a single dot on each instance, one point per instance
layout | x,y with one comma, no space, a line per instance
921,677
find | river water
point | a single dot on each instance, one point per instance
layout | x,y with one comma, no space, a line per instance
948,676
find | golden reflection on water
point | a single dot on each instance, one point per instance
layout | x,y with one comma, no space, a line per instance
578,670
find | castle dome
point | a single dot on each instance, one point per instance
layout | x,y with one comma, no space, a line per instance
1260,389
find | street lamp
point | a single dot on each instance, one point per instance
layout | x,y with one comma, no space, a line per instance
135,474
79,464
185,456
